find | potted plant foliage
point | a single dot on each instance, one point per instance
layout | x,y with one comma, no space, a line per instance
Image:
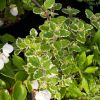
60,61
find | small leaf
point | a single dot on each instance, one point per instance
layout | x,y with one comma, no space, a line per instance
88,13
57,6
37,10
82,58
85,85
89,59
18,61
91,69
33,60
33,32
64,33
49,4
20,43
70,11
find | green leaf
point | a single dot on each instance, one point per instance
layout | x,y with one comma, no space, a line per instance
82,58
89,59
2,84
33,32
57,6
7,38
48,34
18,61
88,13
38,74
33,60
91,69
49,4
20,43
4,95
37,10
21,76
64,33
19,92
97,38
63,92
2,4
70,11
85,85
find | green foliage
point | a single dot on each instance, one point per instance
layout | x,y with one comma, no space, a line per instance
19,91
60,58
64,57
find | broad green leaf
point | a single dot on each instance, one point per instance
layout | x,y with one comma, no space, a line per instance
49,4
21,76
19,91
2,4
91,69
7,38
4,95
89,59
18,61
88,13
85,85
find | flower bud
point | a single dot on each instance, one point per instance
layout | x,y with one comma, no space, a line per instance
13,10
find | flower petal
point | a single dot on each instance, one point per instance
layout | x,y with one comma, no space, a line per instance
35,84
43,95
7,48
13,10
1,64
5,59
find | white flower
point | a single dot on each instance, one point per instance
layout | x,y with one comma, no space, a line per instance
5,59
1,22
35,84
1,64
13,10
7,48
43,95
